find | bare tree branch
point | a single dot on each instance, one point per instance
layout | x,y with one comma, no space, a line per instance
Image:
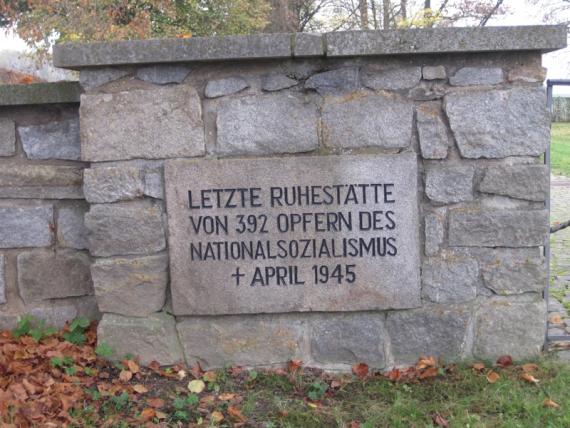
559,226
488,16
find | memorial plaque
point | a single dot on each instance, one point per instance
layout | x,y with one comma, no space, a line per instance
326,233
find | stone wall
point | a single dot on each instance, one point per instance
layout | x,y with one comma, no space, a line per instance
468,104
44,262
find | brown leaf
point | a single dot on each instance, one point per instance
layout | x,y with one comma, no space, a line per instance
140,389
147,414
125,375
492,376
479,367
354,424
209,376
555,319
335,384
360,370
227,396
504,361
196,371
529,367
156,403
161,415
549,403
217,416
235,414
529,378
439,420
425,362
429,372
154,366
294,365
394,374
133,366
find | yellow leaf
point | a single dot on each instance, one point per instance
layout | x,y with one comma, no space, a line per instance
125,375
227,396
133,367
217,417
141,389
196,386
492,376
549,403
556,319
312,405
529,378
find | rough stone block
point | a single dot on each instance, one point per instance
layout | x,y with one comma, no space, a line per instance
344,125
163,74
276,82
434,223
268,124
527,74
71,230
510,328
53,275
450,281
432,132
227,86
2,280
339,80
153,185
41,182
530,182
451,184
55,140
468,76
308,45
254,340
434,72
54,314
152,338
90,78
112,184
148,124
347,339
26,227
7,137
392,79
432,330
498,228
131,286
499,123
125,228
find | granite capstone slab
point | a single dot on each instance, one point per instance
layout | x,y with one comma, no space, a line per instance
40,93
211,249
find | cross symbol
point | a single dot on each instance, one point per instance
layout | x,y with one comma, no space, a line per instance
237,276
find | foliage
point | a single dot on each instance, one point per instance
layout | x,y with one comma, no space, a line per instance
560,149
30,326
77,329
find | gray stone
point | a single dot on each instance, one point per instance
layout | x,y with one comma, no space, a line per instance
91,78
131,286
163,74
8,321
434,72
468,76
432,132
125,228
348,339
112,184
450,184
41,182
339,80
2,280
508,273
511,122
53,275
255,340
54,140
276,82
428,91
39,93
147,124
54,314
386,278
39,192
392,79
507,328
153,185
527,74
434,223
308,45
450,281
435,330
530,182
71,230
152,338
26,227
344,126
7,137
268,124
226,86
498,228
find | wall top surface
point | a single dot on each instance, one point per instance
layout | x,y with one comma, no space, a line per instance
40,93
543,38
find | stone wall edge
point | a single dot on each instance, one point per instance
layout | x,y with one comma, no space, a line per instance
40,93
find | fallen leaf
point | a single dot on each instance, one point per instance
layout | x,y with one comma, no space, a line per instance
312,405
235,413
529,378
216,416
394,374
354,424
429,372
425,362
555,319
439,420
154,366
336,384
360,370
140,389
504,361
147,414
133,366
492,376
209,376
161,415
196,371
294,365
156,403
226,396
125,375
479,367
549,403
196,386
181,374
529,367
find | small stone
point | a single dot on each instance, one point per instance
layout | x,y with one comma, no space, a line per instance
468,76
344,127
131,286
392,79
432,132
53,275
450,281
26,227
428,91
277,82
111,229
7,137
163,74
342,79
498,228
530,182
90,78
451,184
2,280
438,330
55,140
269,124
509,328
511,122
71,230
434,231
252,340
227,86
348,339
153,185
434,72
153,338
112,184
527,74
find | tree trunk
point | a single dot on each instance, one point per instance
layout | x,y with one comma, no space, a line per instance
282,17
386,14
427,4
559,226
404,9
363,7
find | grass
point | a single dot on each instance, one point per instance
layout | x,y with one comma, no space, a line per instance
560,149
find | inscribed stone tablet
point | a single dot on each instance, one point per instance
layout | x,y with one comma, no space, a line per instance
325,233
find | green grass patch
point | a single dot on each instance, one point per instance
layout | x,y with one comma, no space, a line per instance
560,149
